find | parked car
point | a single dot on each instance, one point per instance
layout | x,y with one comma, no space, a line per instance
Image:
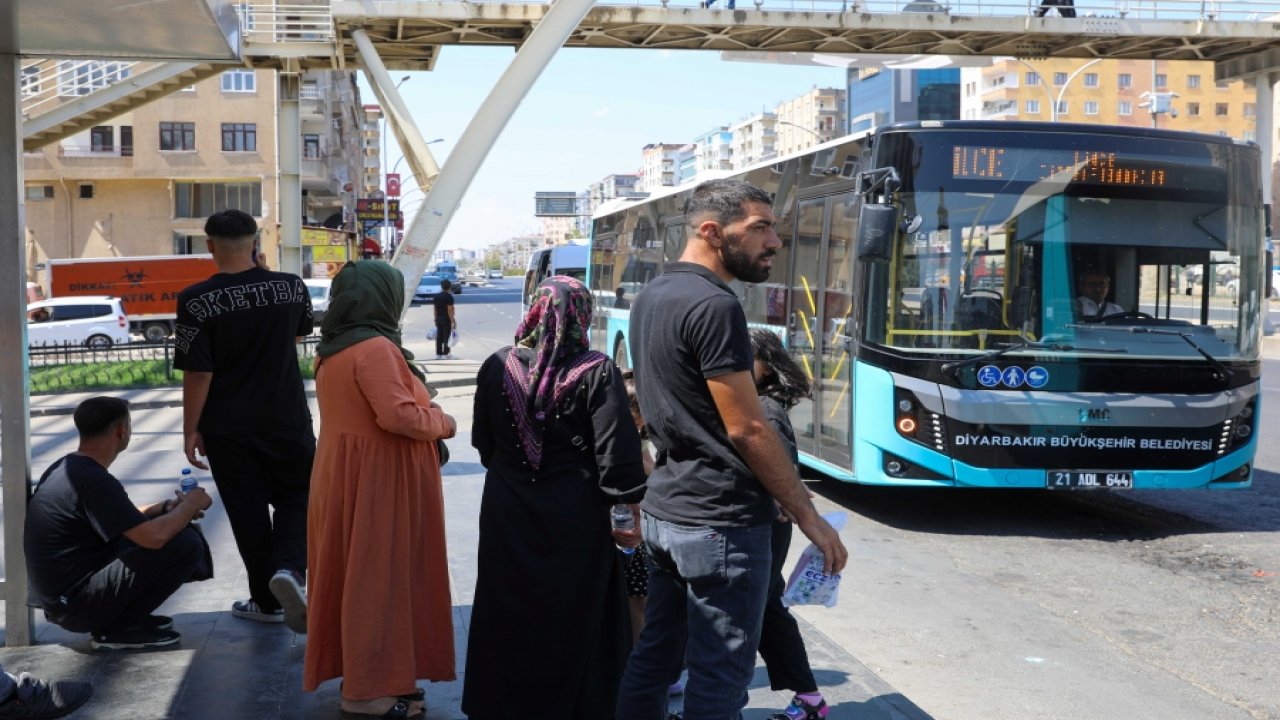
427,289
495,274
96,321
319,289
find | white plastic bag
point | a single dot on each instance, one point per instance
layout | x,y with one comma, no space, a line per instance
431,334
453,338
808,585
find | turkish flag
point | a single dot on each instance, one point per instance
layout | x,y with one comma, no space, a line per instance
393,185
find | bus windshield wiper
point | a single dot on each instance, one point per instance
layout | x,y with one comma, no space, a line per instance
951,367
1186,337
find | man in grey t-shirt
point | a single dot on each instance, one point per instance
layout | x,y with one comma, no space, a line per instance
709,505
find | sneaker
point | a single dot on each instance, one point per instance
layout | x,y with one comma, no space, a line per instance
801,710
249,610
35,698
158,622
132,637
286,585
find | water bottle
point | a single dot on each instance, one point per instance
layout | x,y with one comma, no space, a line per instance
621,518
186,484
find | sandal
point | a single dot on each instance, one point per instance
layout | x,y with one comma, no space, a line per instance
398,711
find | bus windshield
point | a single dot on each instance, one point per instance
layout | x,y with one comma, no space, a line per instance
1077,244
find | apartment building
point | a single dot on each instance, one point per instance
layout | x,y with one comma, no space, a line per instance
1111,92
143,183
660,165
754,140
810,119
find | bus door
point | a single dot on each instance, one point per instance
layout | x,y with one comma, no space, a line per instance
821,325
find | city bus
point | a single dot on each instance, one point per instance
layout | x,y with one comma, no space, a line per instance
930,286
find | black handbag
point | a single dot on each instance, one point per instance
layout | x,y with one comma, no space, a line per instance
443,450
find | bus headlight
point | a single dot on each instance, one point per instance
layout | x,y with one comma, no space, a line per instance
917,423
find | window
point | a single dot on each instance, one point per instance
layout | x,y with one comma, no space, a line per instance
311,146
1033,78
1124,80
126,141
1251,135
1091,79
1033,107
1091,107
39,192
1221,109
102,138
1059,79
1220,85
188,244
1162,80
199,200
78,77
1124,108
1062,107
86,191
177,136
1193,82
239,137
1193,109
239,81
1250,109
30,82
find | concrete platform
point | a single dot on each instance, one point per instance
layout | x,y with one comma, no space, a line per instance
226,668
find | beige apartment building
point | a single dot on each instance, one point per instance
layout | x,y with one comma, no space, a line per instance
810,119
143,183
1110,92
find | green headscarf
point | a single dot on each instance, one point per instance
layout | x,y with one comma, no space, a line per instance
365,302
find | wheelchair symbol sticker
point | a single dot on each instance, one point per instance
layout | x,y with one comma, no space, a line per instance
1037,377
989,376
1013,376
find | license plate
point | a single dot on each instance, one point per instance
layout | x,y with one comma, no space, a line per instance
1087,479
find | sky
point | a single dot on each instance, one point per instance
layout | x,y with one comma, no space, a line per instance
587,116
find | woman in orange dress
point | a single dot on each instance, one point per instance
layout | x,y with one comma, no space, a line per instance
379,609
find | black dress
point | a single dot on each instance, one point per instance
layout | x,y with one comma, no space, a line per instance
550,632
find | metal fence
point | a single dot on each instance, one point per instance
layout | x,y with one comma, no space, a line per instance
68,367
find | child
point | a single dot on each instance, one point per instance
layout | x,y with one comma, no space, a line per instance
781,384
638,561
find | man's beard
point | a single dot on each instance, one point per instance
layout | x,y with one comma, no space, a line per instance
741,264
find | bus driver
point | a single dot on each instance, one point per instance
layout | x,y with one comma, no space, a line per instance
1092,303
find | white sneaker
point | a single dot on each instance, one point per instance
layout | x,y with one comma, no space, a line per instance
287,588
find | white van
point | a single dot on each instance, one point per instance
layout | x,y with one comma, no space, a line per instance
568,260
96,322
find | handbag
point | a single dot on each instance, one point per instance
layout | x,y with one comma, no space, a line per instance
443,450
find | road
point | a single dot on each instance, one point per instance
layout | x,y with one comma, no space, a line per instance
1011,605
487,319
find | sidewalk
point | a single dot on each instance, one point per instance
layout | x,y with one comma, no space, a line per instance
231,669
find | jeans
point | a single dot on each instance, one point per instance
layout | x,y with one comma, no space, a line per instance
442,337
707,588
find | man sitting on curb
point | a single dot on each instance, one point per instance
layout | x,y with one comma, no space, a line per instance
96,562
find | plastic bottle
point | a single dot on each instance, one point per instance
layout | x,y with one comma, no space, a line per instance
186,484
620,518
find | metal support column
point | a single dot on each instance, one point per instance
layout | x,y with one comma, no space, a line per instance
1264,86
446,194
15,403
289,187
395,115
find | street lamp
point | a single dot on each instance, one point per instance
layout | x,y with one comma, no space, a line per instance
1056,103
801,127
386,209
401,158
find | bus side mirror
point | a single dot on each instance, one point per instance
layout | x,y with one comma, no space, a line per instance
876,227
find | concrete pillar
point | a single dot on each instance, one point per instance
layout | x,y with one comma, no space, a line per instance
15,401
1264,85
289,188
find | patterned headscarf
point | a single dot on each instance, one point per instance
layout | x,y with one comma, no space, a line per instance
556,327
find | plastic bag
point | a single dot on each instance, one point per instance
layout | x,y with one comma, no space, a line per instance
453,338
808,585
431,334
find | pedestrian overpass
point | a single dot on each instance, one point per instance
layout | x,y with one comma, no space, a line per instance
171,44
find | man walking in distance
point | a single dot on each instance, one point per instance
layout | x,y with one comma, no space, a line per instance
98,563
244,408
446,323
709,507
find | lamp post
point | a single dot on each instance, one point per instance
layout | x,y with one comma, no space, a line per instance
1056,102
386,210
801,127
401,158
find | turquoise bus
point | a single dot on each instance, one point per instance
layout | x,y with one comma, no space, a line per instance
931,286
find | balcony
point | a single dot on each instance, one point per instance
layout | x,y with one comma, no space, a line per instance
66,150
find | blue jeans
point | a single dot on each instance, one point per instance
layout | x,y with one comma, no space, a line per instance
707,590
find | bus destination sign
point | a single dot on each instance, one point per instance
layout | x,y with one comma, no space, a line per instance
1094,167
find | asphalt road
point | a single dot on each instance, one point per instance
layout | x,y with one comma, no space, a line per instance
1011,605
